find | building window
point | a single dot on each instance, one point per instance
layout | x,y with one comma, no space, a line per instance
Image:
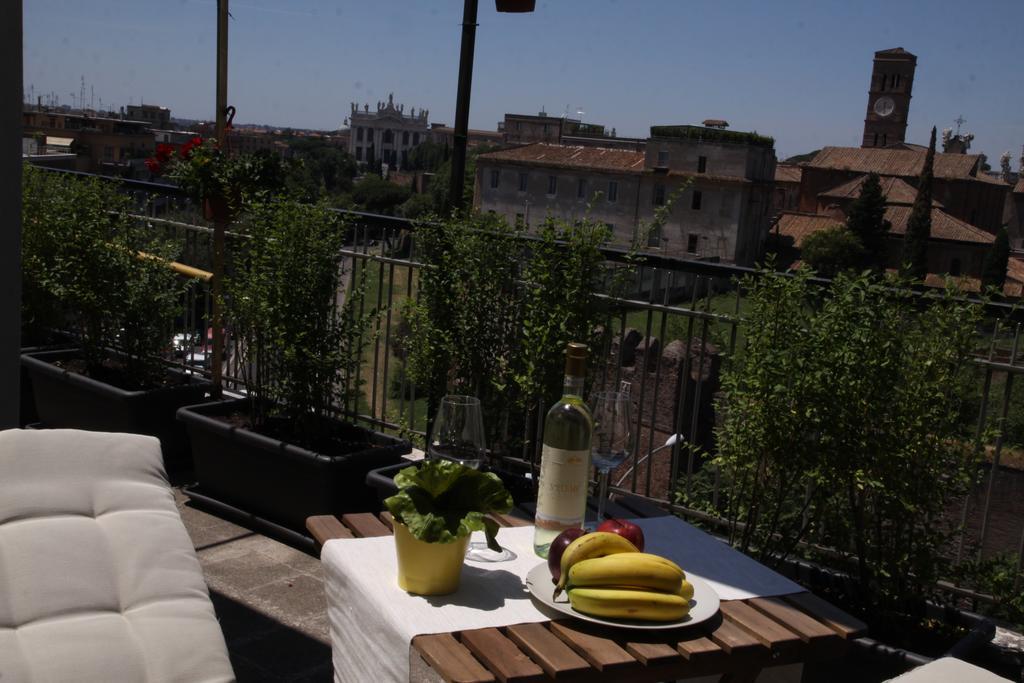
108,153
388,137
896,81
359,153
884,77
702,164
359,134
662,158
415,139
876,139
405,137
691,244
552,184
885,139
581,189
545,129
519,125
695,202
523,178
654,237
659,195
613,191
494,179
954,267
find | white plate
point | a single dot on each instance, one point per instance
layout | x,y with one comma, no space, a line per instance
703,606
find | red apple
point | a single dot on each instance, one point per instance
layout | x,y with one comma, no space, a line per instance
558,547
631,532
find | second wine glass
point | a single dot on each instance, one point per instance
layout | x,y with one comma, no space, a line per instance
458,432
609,445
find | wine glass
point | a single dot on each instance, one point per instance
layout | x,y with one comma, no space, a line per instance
458,432
458,435
609,445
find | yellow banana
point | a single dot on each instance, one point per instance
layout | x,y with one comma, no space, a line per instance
686,591
587,546
638,570
621,603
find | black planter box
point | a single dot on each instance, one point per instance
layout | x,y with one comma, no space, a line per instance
277,481
70,400
382,482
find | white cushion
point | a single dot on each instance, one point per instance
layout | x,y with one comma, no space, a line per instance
949,670
98,577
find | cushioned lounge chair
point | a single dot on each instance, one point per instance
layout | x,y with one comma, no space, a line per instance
98,578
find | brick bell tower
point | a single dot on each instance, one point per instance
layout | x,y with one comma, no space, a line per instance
889,98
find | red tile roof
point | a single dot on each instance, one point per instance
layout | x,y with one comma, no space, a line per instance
1019,187
800,225
566,156
788,173
895,190
896,162
944,226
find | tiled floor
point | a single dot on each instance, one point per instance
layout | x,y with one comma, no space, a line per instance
269,598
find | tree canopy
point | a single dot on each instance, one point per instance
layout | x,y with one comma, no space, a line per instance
832,250
919,225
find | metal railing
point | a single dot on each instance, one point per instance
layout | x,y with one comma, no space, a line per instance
667,340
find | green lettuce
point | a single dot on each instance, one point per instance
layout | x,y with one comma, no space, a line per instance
442,501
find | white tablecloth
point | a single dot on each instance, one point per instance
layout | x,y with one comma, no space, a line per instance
373,621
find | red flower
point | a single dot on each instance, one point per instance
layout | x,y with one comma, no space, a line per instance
153,164
196,141
185,150
164,152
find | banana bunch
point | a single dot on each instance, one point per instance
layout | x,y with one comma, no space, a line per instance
606,576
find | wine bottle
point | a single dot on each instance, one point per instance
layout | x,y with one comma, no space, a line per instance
565,457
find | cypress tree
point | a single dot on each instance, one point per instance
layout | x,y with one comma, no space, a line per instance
866,220
993,272
919,225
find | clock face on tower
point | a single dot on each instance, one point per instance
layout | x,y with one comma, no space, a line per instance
884,106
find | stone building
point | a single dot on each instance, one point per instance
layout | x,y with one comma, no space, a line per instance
103,144
892,79
155,116
722,183
387,134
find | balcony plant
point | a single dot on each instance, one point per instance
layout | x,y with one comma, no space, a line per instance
438,505
282,453
85,274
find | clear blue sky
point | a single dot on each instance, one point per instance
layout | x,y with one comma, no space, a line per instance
796,70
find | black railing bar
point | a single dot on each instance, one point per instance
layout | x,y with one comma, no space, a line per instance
695,408
387,339
680,402
648,326
190,227
1002,367
382,259
1007,389
978,446
376,339
654,401
644,306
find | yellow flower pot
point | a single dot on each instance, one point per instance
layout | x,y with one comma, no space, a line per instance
428,568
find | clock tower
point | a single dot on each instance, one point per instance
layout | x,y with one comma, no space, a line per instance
889,98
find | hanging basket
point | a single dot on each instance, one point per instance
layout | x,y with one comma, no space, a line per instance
515,5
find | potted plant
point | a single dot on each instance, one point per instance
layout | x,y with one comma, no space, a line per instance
215,179
85,274
438,505
281,453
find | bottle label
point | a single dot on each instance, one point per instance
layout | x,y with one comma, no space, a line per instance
562,490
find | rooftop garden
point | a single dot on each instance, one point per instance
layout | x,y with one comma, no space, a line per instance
688,132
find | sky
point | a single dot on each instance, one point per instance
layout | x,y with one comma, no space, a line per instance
797,70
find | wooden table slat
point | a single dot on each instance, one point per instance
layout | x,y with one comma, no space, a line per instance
737,642
603,653
365,525
449,658
326,527
508,520
779,640
807,627
654,654
700,650
387,520
839,621
501,656
555,657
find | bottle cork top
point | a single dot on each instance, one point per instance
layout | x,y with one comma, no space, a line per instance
576,359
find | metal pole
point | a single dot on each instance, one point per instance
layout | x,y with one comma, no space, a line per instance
10,209
219,226
461,136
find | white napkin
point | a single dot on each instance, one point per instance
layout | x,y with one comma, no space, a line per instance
373,621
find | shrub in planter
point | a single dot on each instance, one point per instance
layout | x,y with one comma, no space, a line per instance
299,351
94,271
840,428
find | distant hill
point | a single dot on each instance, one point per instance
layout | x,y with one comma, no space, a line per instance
802,157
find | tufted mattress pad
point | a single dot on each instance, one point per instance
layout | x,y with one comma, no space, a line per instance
98,578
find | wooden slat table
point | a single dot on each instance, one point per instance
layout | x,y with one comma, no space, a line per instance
745,637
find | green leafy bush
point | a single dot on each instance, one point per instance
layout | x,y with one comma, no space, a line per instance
832,250
88,266
840,426
299,347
